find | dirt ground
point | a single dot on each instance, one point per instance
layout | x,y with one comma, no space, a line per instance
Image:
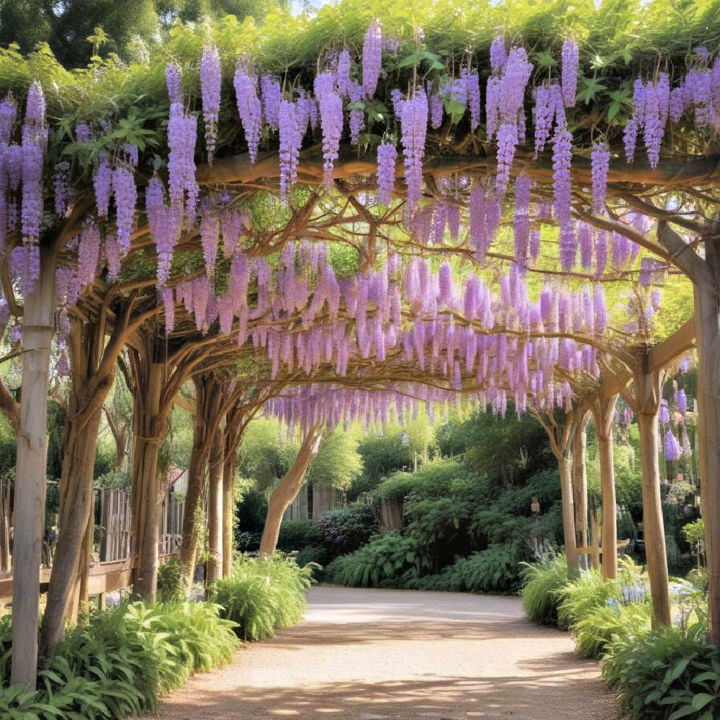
402,655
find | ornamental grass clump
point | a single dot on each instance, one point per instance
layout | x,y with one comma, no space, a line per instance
542,583
263,594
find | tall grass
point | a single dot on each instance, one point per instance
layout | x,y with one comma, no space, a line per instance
542,583
263,594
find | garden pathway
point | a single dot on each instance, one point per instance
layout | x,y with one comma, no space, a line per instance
397,655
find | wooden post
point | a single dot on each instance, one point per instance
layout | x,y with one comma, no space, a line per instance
560,433
229,472
38,327
208,414
603,410
595,540
647,403
707,323
147,491
579,482
288,488
215,508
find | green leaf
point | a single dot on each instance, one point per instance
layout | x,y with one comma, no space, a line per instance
701,700
591,87
545,60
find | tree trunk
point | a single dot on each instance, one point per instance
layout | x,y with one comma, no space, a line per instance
603,413
215,508
74,520
38,326
707,328
147,491
285,492
208,414
228,530
568,514
580,490
653,525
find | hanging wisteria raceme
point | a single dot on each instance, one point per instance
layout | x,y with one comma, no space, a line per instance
331,122
209,234
372,58
34,140
504,107
498,54
271,94
569,71
165,226
290,141
61,188
386,160
473,98
210,83
173,75
413,113
125,195
249,109
183,187
673,449
8,113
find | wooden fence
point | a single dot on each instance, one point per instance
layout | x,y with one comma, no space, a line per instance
112,562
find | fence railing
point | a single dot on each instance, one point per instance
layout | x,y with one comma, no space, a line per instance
112,562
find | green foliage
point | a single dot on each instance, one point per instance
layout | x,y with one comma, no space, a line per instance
263,594
432,479
494,570
119,662
595,630
266,453
694,532
664,675
388,560
507,449
170,581
590,590
542,583
337,462
296,534
396,449
79,29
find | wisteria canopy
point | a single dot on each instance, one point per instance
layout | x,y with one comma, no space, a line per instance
427,203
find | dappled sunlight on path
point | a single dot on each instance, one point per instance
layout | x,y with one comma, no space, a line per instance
381,655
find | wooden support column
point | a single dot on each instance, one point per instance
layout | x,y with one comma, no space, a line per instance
38,327
579,481
215,507
560,428
646,403
707,324
603,410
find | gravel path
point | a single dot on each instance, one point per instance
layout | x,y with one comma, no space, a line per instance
402,655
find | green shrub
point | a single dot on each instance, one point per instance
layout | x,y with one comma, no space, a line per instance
296,534
119,662
263,594
346,529
388,560
665,675
316,556
170,581
494,570
596,629
542,583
